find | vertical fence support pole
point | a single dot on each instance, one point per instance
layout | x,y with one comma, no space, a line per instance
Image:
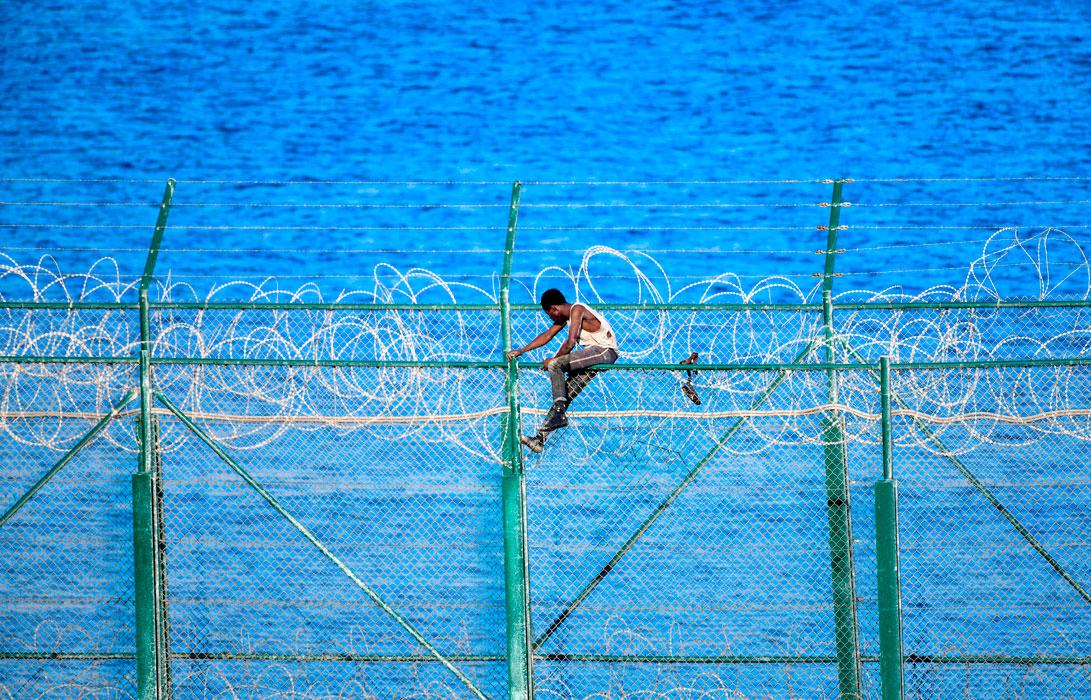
886,554
149,544
513,493
838,510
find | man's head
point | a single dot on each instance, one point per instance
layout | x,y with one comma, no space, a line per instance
555,305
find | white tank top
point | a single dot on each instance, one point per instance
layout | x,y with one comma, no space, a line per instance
602,338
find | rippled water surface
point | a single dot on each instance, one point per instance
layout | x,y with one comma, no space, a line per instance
483,94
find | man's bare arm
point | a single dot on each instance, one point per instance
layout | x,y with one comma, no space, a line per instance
542,338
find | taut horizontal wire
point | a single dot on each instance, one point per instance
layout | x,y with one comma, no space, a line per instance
412,251
550,182
78,180
964,268
974,416
1028,203
705,278
494,228
546,205
428,205
500,228
868,227
524,275
496,251
593,183
892,246
974,179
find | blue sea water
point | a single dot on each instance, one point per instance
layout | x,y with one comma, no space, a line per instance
545,91
102,102
560,91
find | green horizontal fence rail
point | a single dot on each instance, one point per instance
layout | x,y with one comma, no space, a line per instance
824,355
667,306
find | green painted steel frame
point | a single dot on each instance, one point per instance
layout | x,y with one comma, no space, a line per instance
838,502
213,445
571,606
979,659
153,654
887,563
513,494
667,306
149,539
862,364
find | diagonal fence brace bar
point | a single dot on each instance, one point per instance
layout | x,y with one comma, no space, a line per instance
984,491
368,591
60,463
686,481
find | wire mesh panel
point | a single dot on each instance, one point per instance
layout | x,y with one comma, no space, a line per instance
670,334
66,593
627,679
334,524
282,566
346,334
664,535
993,528
944,334
341,679
67,332
864,450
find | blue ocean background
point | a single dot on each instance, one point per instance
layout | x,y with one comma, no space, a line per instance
540,92
335,147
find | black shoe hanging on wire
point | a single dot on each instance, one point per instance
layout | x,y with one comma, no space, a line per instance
687,386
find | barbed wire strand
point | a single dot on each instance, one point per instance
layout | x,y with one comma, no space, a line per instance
545,182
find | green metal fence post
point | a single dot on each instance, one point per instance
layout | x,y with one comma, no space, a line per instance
969,475
149,542
886,554
838,509
513,493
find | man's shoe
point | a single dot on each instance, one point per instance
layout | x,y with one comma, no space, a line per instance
556,421
534,444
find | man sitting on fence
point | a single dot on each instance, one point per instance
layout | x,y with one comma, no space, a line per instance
568,371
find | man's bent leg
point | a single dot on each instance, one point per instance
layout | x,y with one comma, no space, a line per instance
578,378
558,368
589,357
576,383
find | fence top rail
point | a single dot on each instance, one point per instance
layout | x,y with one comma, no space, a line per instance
499,364
666,306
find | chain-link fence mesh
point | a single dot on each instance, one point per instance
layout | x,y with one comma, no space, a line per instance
402,494
330,467
663,534
993,531
724,549
66,623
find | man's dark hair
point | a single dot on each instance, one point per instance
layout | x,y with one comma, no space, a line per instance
552,297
